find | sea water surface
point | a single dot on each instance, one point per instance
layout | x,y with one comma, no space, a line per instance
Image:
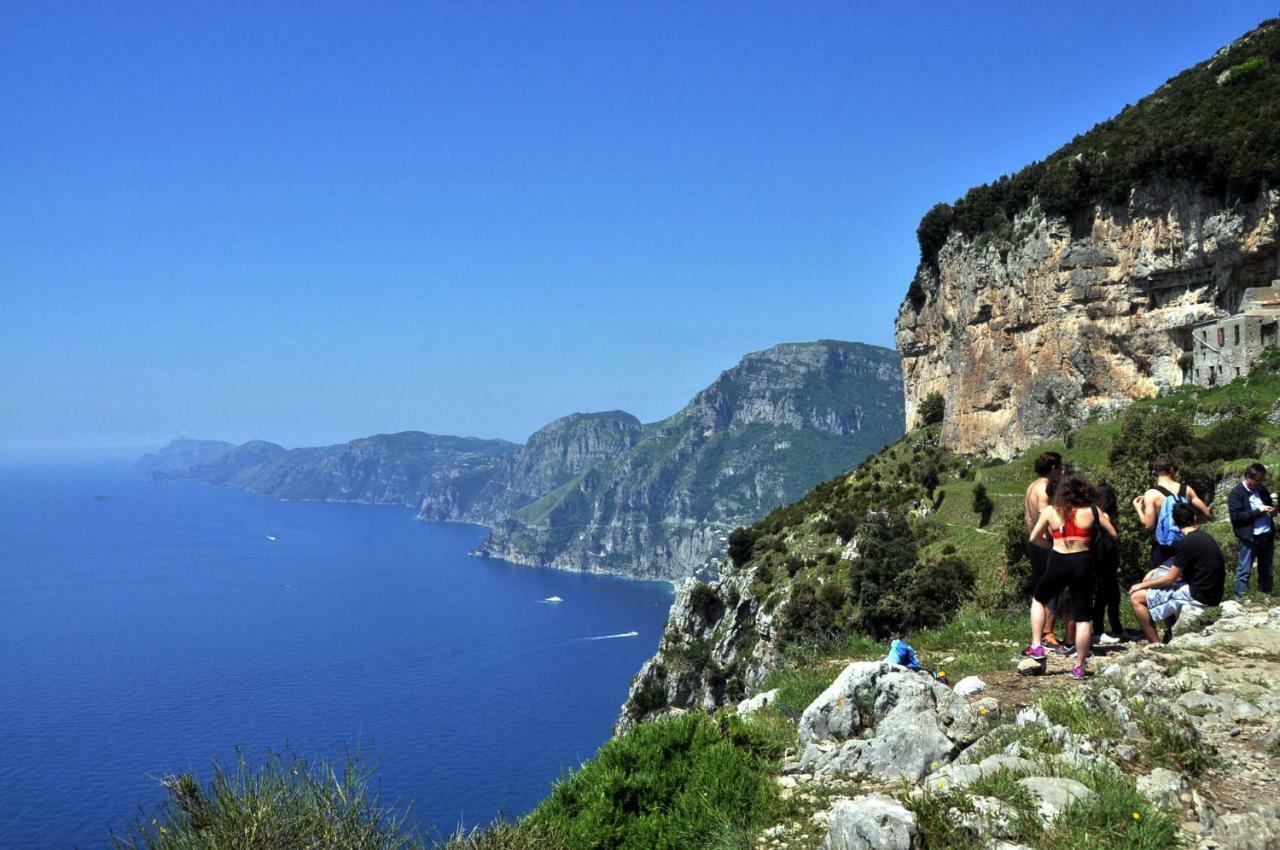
149,628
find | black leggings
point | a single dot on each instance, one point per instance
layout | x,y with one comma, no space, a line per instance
1072,570
1107,600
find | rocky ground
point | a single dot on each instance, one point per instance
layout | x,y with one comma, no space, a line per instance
1185,735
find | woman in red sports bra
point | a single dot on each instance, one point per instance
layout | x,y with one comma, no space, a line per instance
1067,525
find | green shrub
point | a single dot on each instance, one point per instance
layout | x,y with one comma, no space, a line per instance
1017,566
284,803
936,591
668,785
931,409
847,527
704,600
741,544
982,504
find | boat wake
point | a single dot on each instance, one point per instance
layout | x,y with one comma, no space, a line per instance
612,637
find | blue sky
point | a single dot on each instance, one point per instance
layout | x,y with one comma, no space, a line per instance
313,221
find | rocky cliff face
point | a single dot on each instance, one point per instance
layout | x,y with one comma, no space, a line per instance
1023,338
553,455
718,646
760,436
1070,288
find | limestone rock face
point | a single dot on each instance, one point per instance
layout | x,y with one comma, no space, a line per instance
729,628
1062,320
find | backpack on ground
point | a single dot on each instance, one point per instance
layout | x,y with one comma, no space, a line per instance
1167,531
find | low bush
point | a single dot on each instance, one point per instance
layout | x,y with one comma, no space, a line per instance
668,785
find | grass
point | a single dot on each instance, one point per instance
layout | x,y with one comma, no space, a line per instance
1116,818
284,803
1171,743
1068,709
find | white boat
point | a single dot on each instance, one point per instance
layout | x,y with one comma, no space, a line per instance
553,599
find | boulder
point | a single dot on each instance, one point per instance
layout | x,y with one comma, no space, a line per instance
1032,667
1162,787
1189,619
753,704
870,822
888,722
1053,794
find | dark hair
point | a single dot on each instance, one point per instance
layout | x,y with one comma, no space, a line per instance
1107,499
1164,465
1255,472
1074,491
1183,515
1048,462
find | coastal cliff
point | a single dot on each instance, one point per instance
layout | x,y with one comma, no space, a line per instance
760,436
553,455
1070,289
602,492
385,469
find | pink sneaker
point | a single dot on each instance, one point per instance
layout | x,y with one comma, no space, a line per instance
1034,652
1077,672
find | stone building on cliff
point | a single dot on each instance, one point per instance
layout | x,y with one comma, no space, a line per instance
1225,349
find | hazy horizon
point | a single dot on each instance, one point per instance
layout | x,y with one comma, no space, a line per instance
309,224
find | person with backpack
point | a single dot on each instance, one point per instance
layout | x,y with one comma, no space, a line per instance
1155,508
1068,526
1106,570
1252,515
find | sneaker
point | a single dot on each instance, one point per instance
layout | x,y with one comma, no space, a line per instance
1077,672
1107,640
1034,652
1051,640
1063,649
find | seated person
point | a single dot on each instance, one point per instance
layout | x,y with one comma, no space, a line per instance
1195,575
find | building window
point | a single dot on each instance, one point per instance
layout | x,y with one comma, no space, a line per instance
1222,337
1237,342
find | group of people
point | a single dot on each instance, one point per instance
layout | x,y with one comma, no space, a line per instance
1076,565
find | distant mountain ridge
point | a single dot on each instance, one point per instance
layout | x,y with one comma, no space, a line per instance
757,438
385,469
603,492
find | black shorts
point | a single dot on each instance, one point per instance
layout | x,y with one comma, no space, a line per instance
1072,571
1160,555
1039,558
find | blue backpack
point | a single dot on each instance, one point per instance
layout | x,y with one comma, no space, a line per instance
1167,531
901,653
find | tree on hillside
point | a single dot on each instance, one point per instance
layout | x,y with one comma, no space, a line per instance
931,409
982,504
741,544
880,576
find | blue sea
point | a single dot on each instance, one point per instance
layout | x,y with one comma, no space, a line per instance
150,628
